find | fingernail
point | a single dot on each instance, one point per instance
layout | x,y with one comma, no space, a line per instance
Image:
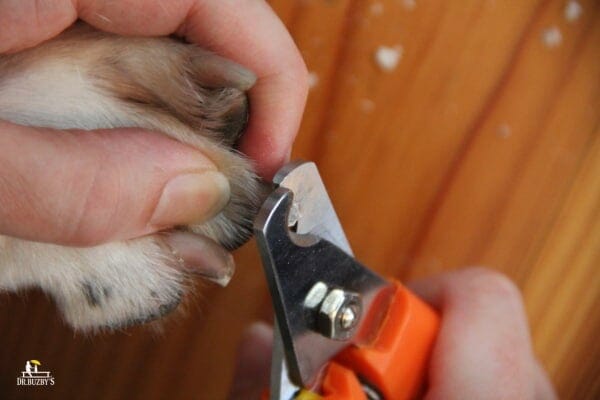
191,198
202,256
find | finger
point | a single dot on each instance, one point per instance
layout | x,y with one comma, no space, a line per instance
26,23
277,100
248,32
544,390
483,349
251,374
85,188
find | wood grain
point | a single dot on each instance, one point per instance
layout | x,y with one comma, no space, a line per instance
481,148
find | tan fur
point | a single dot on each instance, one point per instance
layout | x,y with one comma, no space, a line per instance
89,80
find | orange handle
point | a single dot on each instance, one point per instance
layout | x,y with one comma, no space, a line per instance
396,362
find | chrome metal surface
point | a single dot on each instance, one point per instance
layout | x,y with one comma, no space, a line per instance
311,211
295,261
280,387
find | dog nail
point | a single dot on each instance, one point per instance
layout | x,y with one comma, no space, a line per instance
191,198
243,78
220,72
201,256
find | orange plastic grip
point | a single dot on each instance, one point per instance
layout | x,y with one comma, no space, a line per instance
341,383
396,362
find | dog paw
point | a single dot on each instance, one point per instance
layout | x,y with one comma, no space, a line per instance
98,80
196,97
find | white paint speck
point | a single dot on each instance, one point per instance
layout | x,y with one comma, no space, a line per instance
387,58
376,8
313,79
504,131
409,4
552,37
573,11
367,105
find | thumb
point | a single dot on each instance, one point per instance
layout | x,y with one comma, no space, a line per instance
251,375
88,187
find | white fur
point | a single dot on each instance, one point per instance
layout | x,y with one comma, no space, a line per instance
76,103
89,284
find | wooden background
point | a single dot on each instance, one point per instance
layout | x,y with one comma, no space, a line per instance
481,147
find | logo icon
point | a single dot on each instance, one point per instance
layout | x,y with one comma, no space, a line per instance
33,377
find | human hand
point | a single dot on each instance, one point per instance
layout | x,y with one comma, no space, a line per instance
52,187
483,350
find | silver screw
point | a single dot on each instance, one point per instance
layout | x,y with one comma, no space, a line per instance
338,311
348,317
